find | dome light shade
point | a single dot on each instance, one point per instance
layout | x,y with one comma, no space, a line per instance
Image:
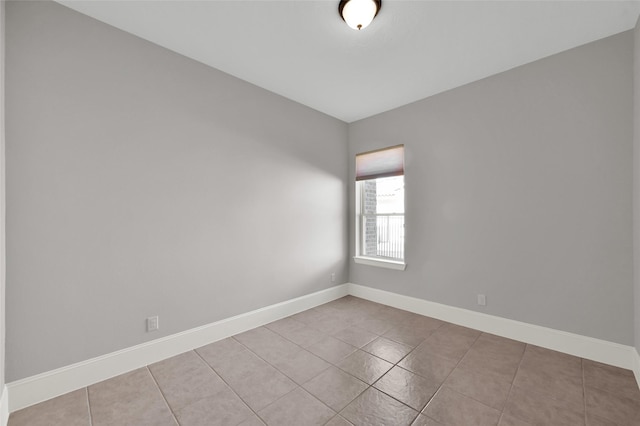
359,13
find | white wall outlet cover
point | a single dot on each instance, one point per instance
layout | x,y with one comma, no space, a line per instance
153,323
482,300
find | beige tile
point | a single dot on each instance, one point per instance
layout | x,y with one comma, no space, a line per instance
297,408
70,409
449,341
365,366
131,398
335,388
423,420
549,381
540,409
185,379
387,349
502,369
301,366
220,351
406,387
304,336
356,336
609,406
338,421
284,325
493,346
225,408
429,366
332,350
407,334
612,379
375,325
486,389
599,421
309,316
508,420
256,382
267,344
332,322
450,407
426,324
374,408
252,421
552,361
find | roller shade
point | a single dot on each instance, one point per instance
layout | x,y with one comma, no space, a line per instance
380,163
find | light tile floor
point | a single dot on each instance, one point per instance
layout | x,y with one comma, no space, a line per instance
355,362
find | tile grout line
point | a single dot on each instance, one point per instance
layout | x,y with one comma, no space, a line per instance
526,345
162,394
89,407
584,390
227,383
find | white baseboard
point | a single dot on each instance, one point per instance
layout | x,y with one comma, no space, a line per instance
636,365
562,341
4,407
35,389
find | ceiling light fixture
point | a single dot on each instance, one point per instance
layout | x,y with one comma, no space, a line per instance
359,13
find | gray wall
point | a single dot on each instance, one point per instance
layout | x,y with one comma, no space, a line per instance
2,199
636,180
519,186
142,183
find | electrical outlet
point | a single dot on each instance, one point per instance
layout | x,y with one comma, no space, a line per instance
153,323
482,300
333,277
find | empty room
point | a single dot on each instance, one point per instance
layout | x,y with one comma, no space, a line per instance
319,212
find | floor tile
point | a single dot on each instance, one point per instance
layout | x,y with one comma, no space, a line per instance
450,407
387,349
407,334
331,323
423,420
612,379
256,382
609,406
132,398
332,350
185,379
365,366
508,420
335,388
252,421
493,346
449,341
284,325
427,365
374,408
308,317
338,421
556,384
267,344
486,389
502,368
304,336
540,409
552,361
375,325
225,408
599,421
356,336
297,408
406,387
301,366
70,409
220,351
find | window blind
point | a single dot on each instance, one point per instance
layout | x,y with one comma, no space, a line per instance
380,163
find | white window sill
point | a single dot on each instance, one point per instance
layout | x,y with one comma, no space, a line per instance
380,263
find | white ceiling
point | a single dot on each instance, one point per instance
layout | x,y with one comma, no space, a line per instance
302,50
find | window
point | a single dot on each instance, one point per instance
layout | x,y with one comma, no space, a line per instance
380,208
